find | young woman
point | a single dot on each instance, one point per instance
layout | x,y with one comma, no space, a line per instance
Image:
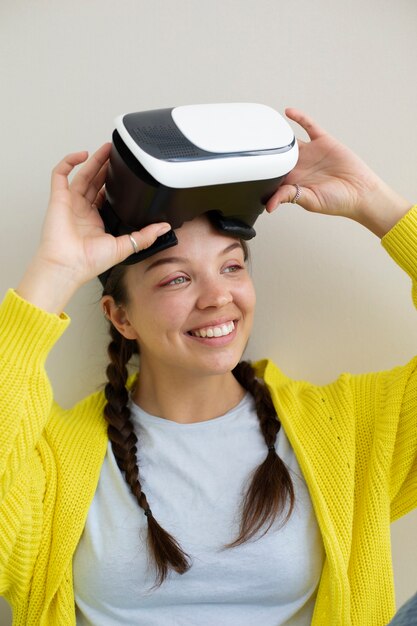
200,490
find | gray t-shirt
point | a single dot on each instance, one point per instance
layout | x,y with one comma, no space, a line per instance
194,476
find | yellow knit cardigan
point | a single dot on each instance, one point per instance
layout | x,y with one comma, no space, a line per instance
355,440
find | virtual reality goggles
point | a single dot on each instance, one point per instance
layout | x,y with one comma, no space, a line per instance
171,165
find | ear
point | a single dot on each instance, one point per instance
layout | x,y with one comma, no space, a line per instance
118,316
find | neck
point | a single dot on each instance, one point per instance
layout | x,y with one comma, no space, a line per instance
188,399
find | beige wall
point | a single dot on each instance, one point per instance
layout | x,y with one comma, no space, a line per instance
329,298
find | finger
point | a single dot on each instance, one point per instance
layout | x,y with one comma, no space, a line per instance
144,238
97,183
286,194
99,199
313,130
82,180
61,171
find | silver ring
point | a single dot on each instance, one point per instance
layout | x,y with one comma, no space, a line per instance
134,244
297,194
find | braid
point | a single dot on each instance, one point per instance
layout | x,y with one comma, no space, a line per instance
271,486
166,551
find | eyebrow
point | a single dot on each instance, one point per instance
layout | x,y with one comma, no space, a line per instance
180,259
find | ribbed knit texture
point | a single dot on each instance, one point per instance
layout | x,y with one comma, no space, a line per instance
355,440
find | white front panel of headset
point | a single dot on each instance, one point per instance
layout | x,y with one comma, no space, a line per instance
233,127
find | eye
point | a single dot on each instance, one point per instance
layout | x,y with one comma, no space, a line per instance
232,268
178,280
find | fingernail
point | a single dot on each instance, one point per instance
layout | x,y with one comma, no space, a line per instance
164,229
272,207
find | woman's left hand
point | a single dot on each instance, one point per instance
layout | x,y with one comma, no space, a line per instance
335,181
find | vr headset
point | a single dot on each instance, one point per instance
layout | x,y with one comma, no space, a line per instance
171,165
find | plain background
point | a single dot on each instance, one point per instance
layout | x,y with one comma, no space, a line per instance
329,298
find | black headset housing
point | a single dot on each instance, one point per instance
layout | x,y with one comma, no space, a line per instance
171,165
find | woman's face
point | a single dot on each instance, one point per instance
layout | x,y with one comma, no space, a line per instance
191,307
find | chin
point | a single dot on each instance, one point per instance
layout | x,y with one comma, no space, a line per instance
220,366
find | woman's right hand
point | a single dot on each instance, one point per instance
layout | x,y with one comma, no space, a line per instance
334,181
74,246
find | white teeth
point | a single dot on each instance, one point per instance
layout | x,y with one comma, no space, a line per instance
215,331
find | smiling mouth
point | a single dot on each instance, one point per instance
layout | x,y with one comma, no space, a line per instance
214,331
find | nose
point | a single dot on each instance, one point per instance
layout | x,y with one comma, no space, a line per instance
214,293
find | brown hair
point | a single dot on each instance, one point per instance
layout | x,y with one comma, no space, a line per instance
270,492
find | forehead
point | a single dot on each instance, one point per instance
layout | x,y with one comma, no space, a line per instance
199,227
197,237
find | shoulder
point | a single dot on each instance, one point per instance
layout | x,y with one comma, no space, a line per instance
83,420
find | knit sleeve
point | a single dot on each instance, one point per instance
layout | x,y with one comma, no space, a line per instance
26,336
385,405
404,461
386,402
401,243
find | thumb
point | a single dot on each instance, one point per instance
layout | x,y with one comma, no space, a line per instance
139,240
303,196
